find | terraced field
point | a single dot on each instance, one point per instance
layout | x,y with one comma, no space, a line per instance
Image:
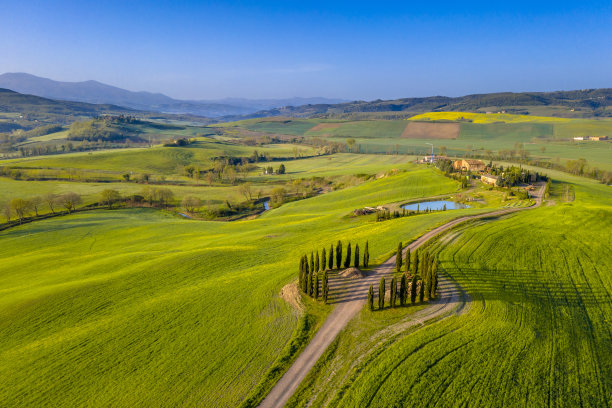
134,307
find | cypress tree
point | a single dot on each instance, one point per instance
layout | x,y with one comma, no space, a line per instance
371,298
403,293
428,283
434,280
415,262
310,279
381,294
421,291
413,289
316,286
325,287
331,256
407,260
393,291
357,256
305,275
347,260
301,273
316,265
312,262
323,260
366,256
398,258
339,255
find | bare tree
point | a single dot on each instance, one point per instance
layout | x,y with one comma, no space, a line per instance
20,207
69,201
110,196
51,200
7,212
165,195
191,203
36,202
245,189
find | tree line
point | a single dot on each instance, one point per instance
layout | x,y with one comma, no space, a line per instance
384,215
311,268
418,280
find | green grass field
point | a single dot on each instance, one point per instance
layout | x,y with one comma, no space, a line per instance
133,307
537,331
547,138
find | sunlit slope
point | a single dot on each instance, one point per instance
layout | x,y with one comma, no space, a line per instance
537,332
134,307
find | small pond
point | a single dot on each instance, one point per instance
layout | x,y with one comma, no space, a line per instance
435,205
266,205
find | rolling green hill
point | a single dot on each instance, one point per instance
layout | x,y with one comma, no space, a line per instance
131,308
535,331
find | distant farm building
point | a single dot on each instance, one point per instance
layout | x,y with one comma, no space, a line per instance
469,165
598,138
581,138
432,159
489,179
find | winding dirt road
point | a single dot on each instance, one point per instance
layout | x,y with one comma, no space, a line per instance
351,297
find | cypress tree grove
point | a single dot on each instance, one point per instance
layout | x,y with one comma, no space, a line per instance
357,256
403,293
398,258
316,286
366,256
331,256
381,294
323,260
407,260
316,265
325,286
371,298
347,260
393,291
421,291
339,255
413,289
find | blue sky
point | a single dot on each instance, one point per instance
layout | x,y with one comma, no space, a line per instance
352,50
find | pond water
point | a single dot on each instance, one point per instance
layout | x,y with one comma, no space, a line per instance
435,205
266,205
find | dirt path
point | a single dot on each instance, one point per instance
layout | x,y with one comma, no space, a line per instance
352,296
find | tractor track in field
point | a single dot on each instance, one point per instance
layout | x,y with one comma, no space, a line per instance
452,298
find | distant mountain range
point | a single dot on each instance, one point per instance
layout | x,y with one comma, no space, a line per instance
98,93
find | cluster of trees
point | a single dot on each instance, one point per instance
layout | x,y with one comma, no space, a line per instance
418,280
161,197
322,262
20,208
384,215
270,170
513,176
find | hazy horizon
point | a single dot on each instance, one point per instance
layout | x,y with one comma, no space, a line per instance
352,51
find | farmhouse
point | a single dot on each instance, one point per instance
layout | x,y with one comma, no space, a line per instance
581,138
489,179
598,138
469,165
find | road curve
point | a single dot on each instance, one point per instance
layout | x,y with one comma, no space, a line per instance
352,299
